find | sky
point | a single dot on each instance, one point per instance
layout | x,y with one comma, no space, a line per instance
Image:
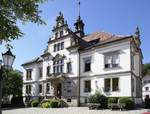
120,17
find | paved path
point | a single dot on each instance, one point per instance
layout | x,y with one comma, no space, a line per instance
70,110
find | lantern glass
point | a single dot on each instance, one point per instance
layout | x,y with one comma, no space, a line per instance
8,59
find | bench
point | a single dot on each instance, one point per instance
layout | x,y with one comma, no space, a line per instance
113,106
94,106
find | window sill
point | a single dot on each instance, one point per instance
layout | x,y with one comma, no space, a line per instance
112,68
112,91
28,79
87,71
87,91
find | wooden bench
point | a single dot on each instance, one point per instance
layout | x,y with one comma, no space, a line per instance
94,106
113,106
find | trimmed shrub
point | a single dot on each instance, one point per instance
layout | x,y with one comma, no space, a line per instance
54,103
112,100
62,103
128,102
103,101
34,103
98,98
45,105
147,103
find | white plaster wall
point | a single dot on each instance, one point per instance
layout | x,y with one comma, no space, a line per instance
97,65
124,87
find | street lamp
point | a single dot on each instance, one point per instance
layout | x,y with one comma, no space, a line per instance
8,59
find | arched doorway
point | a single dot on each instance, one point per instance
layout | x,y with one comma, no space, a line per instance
59,90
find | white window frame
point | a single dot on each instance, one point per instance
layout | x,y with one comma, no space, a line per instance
111,56
111,84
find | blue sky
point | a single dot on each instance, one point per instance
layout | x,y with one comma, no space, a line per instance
115,16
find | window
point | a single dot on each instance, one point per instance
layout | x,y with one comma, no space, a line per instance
62,45
87,64
47,88
68,100
111,60
48,70
40,72
55,47
40,88
58,66
107,85
28,89
69,67
111,84
87,86
61,33
69,91
115,84
56,35
58,46
29,74
146,88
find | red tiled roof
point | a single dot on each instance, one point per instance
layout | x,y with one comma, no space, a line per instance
102,36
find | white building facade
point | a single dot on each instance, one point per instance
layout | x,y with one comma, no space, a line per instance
146,87
75,65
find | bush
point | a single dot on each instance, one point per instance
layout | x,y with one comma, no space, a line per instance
54,103
147,103
129,103
112,100
34,103
98,98
62,103
17,101
45,105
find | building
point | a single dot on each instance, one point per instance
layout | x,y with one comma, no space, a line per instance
76,65
146,87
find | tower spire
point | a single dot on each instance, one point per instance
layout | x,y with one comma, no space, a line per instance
79,9
79,25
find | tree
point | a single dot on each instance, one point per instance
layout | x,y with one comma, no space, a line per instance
12,83
12,11
146,69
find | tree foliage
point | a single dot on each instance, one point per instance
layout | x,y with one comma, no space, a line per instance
12,83
13,10
146,69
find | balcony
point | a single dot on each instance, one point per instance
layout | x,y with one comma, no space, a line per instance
55,76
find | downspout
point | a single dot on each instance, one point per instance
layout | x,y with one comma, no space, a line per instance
78,86
131,67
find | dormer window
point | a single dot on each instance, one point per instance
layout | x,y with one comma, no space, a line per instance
61,33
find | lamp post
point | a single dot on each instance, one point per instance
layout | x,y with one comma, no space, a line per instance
8,59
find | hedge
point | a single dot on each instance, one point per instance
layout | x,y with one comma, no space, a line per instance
129,102
34,103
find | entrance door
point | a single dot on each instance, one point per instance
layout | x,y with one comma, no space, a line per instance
59,90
